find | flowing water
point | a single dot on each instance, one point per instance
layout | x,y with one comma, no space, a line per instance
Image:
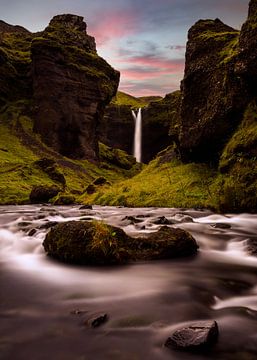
138,135
145,302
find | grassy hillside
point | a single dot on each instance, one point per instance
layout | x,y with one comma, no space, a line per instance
20,149
125,99
170,184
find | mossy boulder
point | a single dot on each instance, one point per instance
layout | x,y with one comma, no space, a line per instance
41,194
89,243
96,243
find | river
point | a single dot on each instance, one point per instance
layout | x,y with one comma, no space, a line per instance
45,305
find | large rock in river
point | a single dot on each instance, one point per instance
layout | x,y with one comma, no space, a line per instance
195,337
96,243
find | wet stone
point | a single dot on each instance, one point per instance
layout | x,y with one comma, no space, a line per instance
86,207
32,232
132,219
97,320
221,226
48,225
197,337
162,220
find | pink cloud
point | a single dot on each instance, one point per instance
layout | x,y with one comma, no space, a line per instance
113,25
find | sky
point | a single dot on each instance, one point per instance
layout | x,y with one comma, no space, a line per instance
144,39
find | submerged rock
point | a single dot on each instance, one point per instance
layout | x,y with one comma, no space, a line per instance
162,220
96,243
195,337
252,247
97,320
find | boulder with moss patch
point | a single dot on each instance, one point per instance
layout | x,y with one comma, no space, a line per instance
41,194
96,243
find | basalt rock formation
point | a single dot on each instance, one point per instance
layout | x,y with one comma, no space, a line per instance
71,86
68,83
214,96
157,119
219,83
117,127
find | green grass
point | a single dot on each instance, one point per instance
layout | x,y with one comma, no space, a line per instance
20,148
170,184
125,99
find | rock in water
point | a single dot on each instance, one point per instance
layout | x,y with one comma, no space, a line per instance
96,243
195,337
71,86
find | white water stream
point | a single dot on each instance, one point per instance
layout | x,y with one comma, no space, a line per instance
145,301
138,135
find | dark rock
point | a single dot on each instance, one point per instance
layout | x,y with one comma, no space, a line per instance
100,181
209,117
85,242
97,320
196,337
166,243
162,220
72,85
96,243
182,218
48,225
117,128
86,207
65,199
251,246
131,219
32,232
159,125
24,224
49,166
221,226
42,194
90,189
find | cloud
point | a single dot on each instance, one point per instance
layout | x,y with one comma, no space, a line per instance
112,25
177,47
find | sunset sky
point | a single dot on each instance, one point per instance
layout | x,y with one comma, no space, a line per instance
143,39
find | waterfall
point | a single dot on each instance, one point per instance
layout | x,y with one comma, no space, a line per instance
137,135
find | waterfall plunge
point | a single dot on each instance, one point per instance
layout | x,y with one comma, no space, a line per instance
137,135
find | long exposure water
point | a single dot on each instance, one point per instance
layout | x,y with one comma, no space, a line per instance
145,302
138,135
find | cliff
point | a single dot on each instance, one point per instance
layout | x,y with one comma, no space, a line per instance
117,127
68,83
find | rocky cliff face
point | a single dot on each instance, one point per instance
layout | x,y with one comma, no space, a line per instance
214,96
71,86
67,84
117,128
15,63
219,83
157,117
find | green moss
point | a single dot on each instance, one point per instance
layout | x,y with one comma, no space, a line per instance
230,51
218,36
170,184
237,183
122,98
21,152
